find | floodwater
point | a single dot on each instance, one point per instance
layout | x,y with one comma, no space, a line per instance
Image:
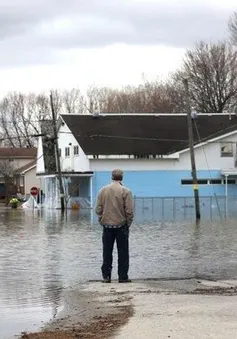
43,253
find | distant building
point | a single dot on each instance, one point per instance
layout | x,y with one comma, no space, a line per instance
153,151
21,164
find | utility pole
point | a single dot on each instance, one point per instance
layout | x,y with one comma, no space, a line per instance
58,167
191,147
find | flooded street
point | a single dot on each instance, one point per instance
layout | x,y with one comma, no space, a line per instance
42,254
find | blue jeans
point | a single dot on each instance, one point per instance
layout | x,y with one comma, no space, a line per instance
121,235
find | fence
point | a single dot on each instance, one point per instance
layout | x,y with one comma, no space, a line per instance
183,208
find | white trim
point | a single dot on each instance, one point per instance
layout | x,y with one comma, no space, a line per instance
41,175
28,169
209,141
132,157
229,171
149,114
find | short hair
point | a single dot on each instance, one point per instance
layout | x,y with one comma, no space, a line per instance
117,175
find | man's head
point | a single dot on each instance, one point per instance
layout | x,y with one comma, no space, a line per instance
117,175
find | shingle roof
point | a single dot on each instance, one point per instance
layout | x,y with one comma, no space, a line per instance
161,134
26,167
27,153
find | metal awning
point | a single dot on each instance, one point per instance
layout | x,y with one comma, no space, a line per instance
66,174
229,172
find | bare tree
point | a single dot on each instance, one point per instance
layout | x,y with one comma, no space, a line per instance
212,73
20,114
10,112
57,101
73,101
162,97
7,172
176,96
17,121
38,107
94,99
150,97
233,28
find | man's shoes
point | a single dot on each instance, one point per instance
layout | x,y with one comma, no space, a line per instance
106,280
122,281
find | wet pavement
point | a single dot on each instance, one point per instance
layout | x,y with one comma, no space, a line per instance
42,254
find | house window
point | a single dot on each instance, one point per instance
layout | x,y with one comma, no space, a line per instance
67,151
226,149
230,181
215,181
209,181
76,150
22,180
186,182
202,181
190,182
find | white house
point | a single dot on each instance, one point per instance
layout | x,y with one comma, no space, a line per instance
153,151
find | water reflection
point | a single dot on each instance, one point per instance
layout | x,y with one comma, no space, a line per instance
52,276
42,253
182,208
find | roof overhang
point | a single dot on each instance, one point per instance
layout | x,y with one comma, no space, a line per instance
89,133
28,169
66,174
132,157
232,172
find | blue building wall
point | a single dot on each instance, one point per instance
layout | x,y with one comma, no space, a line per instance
164,183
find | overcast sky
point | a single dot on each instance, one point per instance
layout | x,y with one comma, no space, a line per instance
68,43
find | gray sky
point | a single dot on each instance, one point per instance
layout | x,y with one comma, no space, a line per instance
66,43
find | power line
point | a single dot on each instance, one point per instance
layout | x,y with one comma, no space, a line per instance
226,129
22,137
133,138
126,137
113,137
149,139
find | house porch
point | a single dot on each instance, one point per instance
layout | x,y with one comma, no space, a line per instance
77,190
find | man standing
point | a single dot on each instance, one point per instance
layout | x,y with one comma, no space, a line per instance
114,208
